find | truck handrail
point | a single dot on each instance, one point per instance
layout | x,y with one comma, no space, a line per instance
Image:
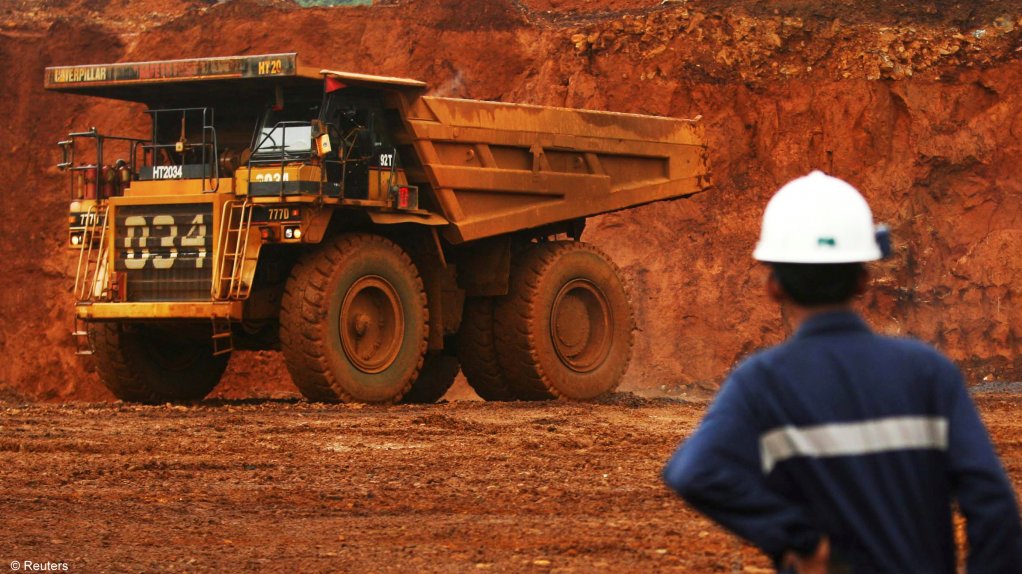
68,160
209,147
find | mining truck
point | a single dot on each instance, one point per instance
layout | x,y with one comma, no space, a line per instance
379,236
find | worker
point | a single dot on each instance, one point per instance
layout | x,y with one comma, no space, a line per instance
842,450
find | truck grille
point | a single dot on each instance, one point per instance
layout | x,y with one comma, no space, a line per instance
166,251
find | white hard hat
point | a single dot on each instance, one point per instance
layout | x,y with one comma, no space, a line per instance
817,219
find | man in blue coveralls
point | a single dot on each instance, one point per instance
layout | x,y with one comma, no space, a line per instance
841,450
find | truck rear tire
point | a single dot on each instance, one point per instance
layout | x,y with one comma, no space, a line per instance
565,327
435,379
354,321
477,351
152,364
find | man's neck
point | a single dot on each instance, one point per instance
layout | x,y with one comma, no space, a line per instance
794,315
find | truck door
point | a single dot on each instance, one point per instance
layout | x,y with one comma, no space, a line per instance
357,150
363,158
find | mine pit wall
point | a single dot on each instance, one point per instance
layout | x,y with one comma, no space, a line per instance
938,161
936,154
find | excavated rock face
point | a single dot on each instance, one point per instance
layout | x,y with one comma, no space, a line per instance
916,104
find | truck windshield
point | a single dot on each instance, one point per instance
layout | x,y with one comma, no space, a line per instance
289,137
285,132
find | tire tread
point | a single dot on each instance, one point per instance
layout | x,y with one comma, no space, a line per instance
516,315
304,306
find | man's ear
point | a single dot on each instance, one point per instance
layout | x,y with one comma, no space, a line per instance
774,289
863,284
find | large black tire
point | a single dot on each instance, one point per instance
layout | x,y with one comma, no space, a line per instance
435,379
151,363
565,327
354,321
477,351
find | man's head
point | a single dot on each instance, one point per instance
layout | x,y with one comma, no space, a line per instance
817,285
817,233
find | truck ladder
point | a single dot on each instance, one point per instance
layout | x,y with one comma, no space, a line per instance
231,258
91,275
223,336
80,334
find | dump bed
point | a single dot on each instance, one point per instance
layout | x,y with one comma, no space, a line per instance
497,167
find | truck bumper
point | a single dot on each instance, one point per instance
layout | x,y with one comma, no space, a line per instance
164,310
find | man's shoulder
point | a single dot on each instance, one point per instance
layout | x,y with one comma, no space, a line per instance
913,349
755,365
884,347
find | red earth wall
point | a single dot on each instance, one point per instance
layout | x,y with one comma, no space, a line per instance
917,106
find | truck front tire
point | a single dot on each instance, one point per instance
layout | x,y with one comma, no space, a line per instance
565,327
152,364
354,321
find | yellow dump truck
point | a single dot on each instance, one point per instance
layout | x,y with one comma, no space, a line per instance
379,236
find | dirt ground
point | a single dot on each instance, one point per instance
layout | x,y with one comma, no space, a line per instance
281,485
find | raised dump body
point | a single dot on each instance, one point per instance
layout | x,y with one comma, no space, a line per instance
377,235
498,168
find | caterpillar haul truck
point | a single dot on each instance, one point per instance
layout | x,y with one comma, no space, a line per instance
379,236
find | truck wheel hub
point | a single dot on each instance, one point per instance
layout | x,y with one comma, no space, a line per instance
371,324
580,325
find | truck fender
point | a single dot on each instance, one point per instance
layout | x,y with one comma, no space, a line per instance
391,218
318,223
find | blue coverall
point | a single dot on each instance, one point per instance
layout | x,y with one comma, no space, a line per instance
863,438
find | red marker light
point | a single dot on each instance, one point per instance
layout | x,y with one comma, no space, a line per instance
402,198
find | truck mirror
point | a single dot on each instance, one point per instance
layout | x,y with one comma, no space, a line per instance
322,144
